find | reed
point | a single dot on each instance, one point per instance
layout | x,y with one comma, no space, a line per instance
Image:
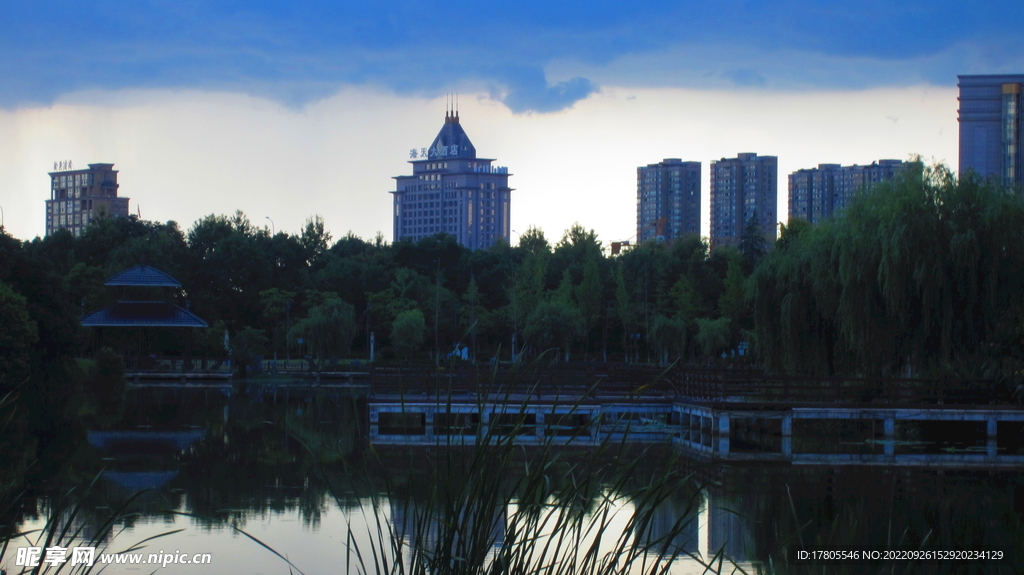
496,507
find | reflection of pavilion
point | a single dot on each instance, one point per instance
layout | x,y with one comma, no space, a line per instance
143,459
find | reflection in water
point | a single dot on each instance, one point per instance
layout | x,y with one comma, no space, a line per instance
294,473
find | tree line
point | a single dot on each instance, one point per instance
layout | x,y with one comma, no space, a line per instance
919,274
419,299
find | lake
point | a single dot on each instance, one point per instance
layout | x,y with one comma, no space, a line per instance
275,484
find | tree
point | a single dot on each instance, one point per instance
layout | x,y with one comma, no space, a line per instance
472,313
753,244
245,346
564,292
733,303
276,303
919,275
17,337
669,336
407,332
713,336
527,289
534,242
315,238
555,324
106,381
328,329
626,310
588,295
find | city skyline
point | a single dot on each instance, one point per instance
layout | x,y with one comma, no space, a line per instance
290,113
235,156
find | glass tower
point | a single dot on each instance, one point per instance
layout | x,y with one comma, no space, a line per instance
990,126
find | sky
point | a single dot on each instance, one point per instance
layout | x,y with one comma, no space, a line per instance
289,110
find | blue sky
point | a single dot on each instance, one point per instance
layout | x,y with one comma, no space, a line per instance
296,53
546,87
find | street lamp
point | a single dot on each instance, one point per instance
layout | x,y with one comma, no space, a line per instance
273,232
1,217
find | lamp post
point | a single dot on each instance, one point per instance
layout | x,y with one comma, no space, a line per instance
1,217
273,231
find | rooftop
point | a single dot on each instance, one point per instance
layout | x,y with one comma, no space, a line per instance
143,314
143,275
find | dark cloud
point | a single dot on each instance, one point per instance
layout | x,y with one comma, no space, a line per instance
530,91
745,77
297,52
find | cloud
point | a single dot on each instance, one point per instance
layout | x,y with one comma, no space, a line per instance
530,91
299,53
745,77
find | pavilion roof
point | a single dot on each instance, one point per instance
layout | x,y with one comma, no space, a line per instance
143,314
143,275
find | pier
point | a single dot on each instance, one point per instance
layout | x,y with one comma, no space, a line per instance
717,415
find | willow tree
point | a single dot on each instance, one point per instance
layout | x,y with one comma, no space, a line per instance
794,311
329,328
920,275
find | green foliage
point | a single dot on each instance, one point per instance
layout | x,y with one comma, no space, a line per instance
534,242
713,335
555,324
236,275
473,314
246,345
329,328
732,304
18,335
669,336
528,286
564,292
276,303
753,245
407,332
105,382
920,275
588,292
315,238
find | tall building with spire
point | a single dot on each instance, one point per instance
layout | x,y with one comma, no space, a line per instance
78,197
453,191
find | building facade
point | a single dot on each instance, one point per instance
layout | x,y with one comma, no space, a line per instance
667,200
78,197
743,187
453,191
816,193
991,138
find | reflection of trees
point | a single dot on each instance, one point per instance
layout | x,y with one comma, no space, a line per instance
300,455
767,509
515,507
256,459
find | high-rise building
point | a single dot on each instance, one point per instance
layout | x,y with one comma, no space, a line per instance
667,200
453,191
816,193
78,197
742,188
991,138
